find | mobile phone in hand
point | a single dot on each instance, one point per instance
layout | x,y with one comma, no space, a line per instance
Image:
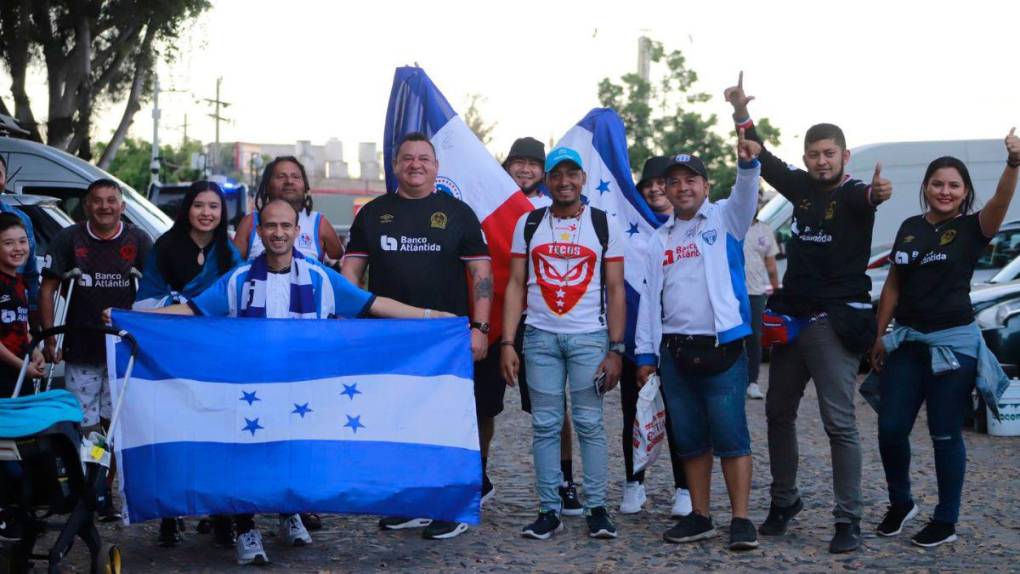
600,381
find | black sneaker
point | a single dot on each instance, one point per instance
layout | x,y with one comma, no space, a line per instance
599,524
895,518
223,531
935,533
690,528
443,529
204,525
400,523
106,510
571,501
488,491
846,539
311,520
12,525
742,534
779,517
544,527
169,533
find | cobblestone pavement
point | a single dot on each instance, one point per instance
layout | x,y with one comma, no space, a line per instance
989,526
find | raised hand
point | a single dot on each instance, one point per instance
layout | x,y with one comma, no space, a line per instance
736,97
747,150
881,188
1013,146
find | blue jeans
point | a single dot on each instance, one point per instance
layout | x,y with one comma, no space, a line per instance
553,361
906,382
707,411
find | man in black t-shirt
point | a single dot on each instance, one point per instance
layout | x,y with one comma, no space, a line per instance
418,247
826,287
104,249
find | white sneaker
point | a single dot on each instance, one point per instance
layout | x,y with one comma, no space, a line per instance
248,548
754,391
633,498
681,503
293,531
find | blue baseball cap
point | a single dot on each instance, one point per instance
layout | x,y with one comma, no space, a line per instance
560,155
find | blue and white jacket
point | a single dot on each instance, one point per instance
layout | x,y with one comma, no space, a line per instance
724,268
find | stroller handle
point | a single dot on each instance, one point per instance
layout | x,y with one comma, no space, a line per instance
101,329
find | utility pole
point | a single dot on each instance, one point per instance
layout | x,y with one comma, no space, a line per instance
217,104
184,136
644,57
154,159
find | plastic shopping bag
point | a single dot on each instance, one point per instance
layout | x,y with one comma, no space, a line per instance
649,424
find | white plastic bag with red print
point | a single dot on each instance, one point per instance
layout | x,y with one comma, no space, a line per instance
649,424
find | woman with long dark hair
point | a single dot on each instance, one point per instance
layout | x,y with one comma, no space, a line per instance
936,354
186,260
192,254
285,178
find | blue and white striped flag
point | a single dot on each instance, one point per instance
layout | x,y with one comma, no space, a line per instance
601,140
230,416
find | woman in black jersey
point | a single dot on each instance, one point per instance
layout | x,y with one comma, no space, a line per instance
935,354
184,261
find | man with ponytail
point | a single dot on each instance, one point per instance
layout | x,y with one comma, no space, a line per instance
285,178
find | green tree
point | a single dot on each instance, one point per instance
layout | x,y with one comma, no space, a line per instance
94,52
662,117
131,164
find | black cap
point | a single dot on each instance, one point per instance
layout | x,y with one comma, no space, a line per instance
527,148
689,161
654,167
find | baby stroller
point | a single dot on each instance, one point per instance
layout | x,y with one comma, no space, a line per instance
61,472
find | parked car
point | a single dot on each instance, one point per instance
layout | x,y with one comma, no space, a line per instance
34,168
168,197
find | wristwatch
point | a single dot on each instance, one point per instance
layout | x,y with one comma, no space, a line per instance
483,327
619,348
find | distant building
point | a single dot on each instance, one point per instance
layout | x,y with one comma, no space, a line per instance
335,193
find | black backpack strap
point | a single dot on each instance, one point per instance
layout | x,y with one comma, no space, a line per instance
530,225
601,223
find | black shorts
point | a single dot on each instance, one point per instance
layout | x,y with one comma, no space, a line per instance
490,386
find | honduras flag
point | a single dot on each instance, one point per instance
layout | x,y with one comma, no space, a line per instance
601,140
231,416
467,170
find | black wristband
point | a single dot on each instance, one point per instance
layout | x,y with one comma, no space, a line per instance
1013,163
510,343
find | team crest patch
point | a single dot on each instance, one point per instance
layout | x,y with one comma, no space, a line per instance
438,220
805,204
128,252
448,186
386,218
908,239
830,211
947,237
709,236
563,272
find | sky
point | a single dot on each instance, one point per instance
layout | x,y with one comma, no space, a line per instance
311,70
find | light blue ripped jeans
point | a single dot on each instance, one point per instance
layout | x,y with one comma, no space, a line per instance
551,360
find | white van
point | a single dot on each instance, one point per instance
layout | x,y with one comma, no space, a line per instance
34,168
903,163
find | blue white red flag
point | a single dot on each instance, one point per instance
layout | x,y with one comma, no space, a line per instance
233,416
601,140
467,170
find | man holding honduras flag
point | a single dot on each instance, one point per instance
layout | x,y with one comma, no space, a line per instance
280,284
